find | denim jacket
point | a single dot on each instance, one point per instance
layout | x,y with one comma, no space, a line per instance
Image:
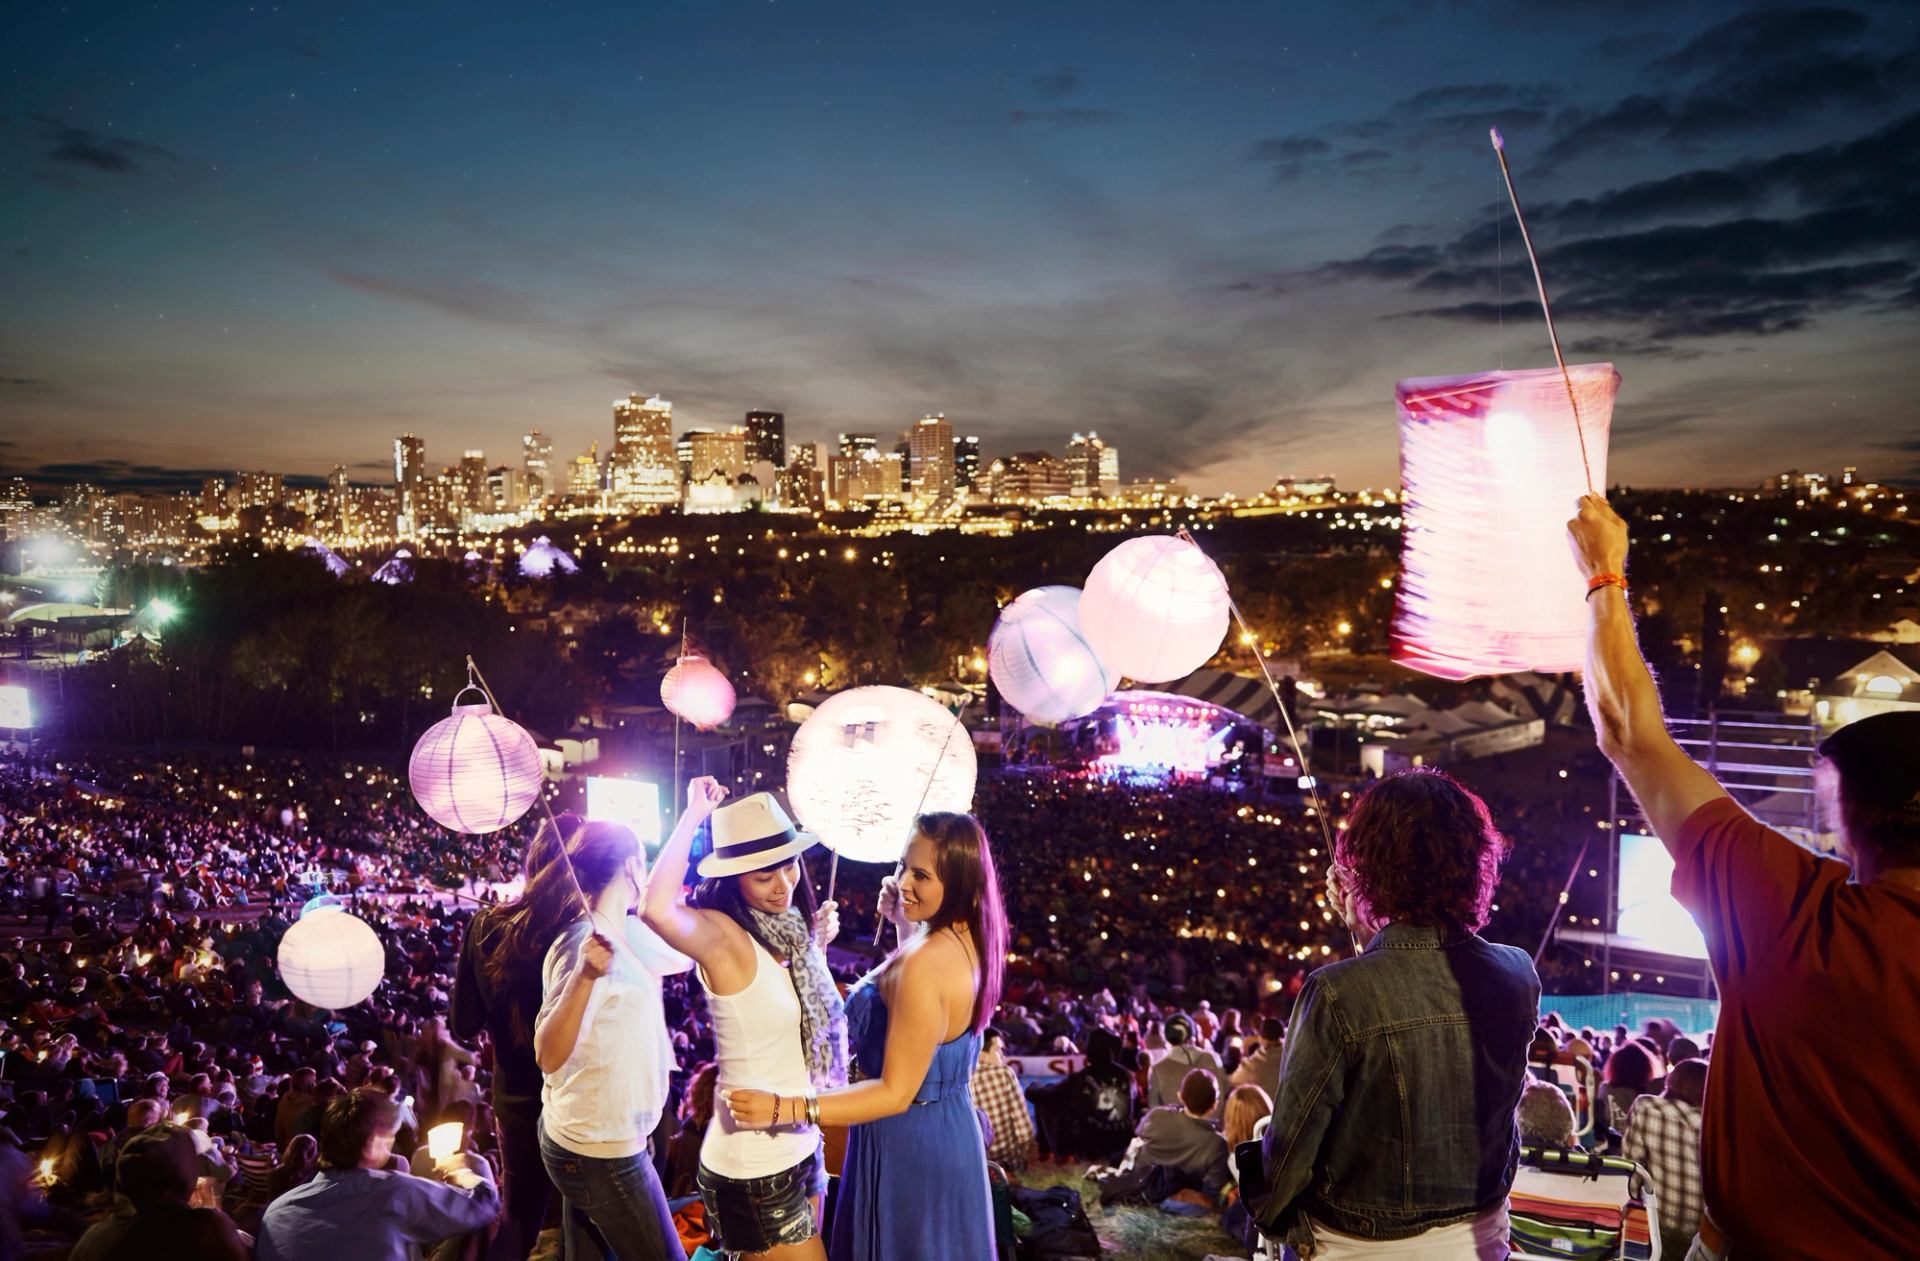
1397,1093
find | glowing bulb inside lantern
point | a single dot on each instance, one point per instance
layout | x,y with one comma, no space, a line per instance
444,1140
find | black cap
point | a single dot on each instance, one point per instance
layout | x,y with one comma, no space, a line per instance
1878,759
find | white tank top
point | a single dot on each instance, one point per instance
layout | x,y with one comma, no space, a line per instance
756,1038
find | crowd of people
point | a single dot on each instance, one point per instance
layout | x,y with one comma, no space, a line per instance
1263,1014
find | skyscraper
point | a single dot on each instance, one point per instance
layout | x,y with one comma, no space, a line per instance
472,475
1094,467
855,443
643,468
409,475
966,462
930,453
583,475
538,459
1028,477
725,453
767,438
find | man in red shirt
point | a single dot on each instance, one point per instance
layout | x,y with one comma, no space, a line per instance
1810,1139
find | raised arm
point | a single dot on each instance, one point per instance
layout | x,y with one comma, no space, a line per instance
687,929
1620,690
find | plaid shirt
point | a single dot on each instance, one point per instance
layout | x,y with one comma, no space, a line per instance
1663,1138
996,1091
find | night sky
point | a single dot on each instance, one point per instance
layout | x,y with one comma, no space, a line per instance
259,236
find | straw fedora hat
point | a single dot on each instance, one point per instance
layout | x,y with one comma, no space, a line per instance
752,833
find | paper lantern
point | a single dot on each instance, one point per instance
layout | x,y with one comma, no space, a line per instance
331,958
1155,609
475,771
863,761
1490,471
696,691
1041,662
543,560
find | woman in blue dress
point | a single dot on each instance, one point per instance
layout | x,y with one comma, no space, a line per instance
913,1186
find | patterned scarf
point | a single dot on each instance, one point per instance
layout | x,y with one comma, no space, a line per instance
823,1017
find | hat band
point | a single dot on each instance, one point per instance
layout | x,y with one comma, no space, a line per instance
759,845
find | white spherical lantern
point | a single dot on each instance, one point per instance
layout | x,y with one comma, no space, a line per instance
1040,661
475,771
698,692
870,758
331,959
1155,609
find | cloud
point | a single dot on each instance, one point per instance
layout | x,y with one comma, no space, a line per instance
1062,82
1065,117
1660,267
79,146
26,383
1761,36
1449,113
1753,72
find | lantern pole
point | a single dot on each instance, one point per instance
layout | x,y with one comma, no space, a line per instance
1546,308
1273,686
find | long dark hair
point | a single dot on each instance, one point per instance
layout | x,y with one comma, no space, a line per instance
971,895
593,855
722,893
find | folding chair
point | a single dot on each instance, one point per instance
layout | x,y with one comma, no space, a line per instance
1575,1205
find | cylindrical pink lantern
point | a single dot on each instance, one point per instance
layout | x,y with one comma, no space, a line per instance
475,771
696,691
1490,470
1041,662
1155,609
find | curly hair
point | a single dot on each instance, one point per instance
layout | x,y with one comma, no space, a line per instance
1422,850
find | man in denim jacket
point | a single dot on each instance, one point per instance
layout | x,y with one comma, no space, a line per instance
1395,1116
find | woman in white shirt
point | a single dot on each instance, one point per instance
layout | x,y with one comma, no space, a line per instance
778,1022
601,1042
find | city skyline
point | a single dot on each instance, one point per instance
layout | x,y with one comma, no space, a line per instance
247,240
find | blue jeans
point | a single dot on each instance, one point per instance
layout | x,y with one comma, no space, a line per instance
610,1210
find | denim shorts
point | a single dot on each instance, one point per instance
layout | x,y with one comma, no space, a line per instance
758,1214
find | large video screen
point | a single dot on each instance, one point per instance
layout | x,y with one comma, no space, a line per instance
633,802
1649,917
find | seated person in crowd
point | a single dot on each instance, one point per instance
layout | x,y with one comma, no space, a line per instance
1262,1067
996,1091
1184,1054
1663,1138
1179,1149
1089,1115
154,1178
1545,1117
355,1208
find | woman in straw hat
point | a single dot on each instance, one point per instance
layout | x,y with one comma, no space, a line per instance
778,1025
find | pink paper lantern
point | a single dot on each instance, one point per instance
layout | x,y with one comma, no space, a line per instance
1041,662
696,691
475,771
1155,609
1490,471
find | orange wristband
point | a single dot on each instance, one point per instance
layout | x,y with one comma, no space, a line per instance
1606,580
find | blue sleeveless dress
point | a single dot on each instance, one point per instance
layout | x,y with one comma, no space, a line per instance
913,1187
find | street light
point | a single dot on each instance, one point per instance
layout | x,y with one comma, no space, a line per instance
163,610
